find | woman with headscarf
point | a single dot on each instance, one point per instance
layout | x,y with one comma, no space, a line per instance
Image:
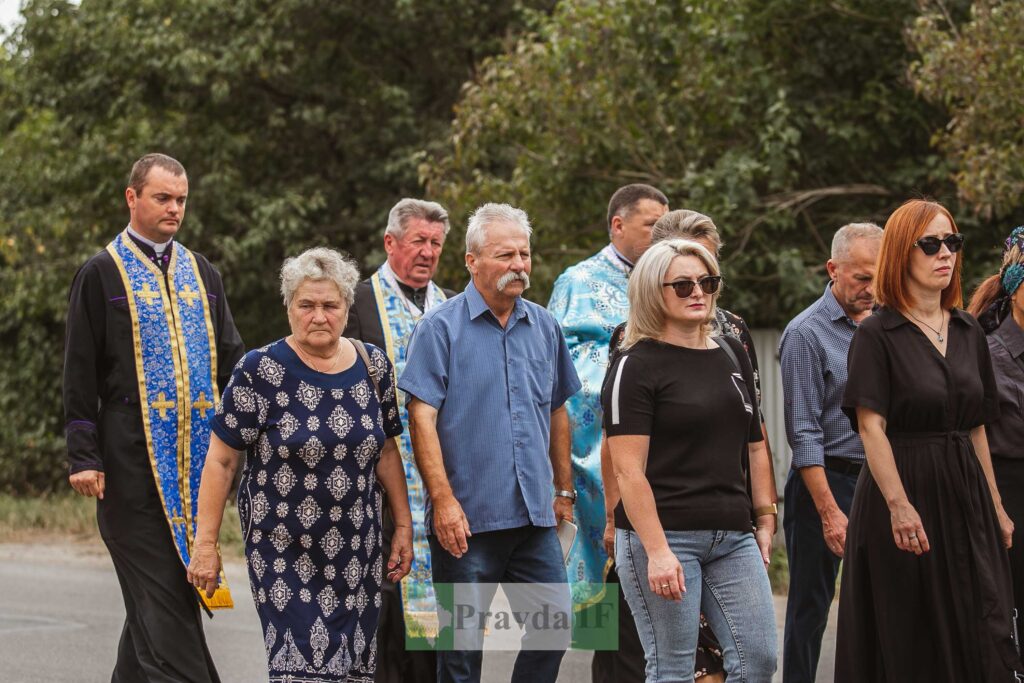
998,303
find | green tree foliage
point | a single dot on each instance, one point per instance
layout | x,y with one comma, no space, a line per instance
976,69
782,120
300,122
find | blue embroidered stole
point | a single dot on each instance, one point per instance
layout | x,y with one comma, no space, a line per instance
176,365
397,319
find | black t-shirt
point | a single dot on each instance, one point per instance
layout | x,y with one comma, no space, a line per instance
700,414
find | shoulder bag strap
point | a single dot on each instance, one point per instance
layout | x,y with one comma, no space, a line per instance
371,369
720,340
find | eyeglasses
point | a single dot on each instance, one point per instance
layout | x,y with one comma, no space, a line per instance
931,245
684,288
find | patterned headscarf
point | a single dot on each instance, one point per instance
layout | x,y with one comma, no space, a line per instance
1012,272
1011,275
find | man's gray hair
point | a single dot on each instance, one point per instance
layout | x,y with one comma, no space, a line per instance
488,214
398,217
319,263
845,236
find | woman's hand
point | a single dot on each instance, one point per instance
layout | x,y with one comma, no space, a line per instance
763,535
401,554
665,575
204,569
907,530
1005,525
609,538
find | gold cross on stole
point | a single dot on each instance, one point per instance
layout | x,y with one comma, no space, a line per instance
162,404
189,295
147,294
201,404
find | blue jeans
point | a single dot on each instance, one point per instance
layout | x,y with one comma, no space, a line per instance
528,554
725,577
812,574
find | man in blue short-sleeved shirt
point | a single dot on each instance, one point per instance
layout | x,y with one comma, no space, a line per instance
488,374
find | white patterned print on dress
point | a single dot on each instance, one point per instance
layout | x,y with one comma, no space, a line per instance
309,395
338,484
340,422
331,543
312,452
304,568
280,594
287,425
361,393
260,507
271,371
328,600
308,512
284,480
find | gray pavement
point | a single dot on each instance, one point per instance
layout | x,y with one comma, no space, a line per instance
61,616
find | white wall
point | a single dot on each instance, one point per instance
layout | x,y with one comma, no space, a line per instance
766,343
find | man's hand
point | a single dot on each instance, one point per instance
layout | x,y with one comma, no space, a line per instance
451,526
88,483
563,509
833,527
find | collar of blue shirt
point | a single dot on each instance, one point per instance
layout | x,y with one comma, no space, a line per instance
832,307
477,306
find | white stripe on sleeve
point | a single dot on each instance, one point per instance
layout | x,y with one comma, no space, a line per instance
615,390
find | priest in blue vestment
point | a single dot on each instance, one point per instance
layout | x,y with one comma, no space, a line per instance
589,301
387,307
150,339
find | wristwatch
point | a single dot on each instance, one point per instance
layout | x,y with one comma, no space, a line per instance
770,509
571,495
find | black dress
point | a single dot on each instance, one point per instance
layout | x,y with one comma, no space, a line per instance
946,615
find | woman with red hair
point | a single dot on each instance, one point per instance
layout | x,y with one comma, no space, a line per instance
925,592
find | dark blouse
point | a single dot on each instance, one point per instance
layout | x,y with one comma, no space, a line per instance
1006,434
900,375
699,413
725,323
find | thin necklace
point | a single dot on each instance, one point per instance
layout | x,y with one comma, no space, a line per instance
938,332
309,360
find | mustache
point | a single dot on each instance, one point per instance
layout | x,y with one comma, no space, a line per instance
510,277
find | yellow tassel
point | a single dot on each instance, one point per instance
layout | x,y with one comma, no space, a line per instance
221,597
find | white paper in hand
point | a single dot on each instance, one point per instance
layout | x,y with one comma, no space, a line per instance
566,536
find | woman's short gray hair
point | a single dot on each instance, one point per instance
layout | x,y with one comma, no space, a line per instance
488,214
398,217
687,225
319,263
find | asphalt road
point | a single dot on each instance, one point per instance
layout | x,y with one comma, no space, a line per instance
61,616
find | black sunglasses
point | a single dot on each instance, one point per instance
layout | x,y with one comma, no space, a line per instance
684,288
931,245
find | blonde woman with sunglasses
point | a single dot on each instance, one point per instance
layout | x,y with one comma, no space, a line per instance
680,410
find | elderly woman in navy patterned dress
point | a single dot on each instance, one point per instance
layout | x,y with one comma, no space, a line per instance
318,441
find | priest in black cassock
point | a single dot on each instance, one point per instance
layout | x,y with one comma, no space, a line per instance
387,307
149,340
